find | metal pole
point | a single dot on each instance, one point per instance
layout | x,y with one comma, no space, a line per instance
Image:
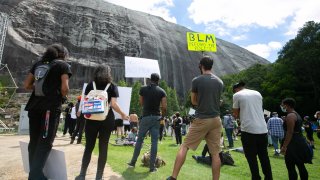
3,31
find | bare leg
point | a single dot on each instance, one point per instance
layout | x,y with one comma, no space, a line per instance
181,157
216,163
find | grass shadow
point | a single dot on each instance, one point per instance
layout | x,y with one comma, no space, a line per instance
130,173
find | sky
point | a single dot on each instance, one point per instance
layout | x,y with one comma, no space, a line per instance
260,26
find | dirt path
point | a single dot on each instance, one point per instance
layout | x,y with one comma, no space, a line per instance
11,167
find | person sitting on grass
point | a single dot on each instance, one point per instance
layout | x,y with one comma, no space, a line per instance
132,135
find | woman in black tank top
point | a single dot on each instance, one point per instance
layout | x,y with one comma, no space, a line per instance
294,146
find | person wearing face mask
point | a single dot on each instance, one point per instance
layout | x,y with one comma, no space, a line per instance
247,106
294,146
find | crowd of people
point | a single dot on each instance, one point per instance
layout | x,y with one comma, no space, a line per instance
246,119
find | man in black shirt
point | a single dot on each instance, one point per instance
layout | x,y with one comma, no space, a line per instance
151,97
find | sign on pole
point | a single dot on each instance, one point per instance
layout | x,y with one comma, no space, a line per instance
140,67
201,42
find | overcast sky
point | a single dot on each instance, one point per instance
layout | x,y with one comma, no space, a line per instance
261,26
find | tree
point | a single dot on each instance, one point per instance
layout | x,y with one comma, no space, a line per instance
301,56
122,83
295,74
173,101
135,104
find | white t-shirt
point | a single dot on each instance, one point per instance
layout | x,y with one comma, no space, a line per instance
73,113
126,122
251,113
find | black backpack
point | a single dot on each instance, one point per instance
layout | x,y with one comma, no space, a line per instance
226,158
40,74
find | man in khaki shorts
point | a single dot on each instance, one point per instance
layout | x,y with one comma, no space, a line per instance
206,92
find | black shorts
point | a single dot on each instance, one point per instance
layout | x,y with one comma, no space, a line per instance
127,127
119,122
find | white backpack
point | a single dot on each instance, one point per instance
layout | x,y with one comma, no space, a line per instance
95,105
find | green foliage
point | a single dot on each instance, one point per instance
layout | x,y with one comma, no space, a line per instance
295,74
172,100
122,83
135,104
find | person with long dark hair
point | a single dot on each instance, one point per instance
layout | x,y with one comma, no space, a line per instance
295,148
44,106
102,77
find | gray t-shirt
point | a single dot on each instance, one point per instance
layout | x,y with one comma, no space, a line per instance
209,89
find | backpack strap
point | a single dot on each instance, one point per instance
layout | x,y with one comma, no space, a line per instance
107,87
94,85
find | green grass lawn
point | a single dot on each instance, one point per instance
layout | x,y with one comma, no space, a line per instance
118,156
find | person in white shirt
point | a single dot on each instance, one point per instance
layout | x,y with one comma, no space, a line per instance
247,105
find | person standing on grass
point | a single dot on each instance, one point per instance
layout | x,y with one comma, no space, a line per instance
294,148
275,129
205,94
161,130
177,128
247,106
307,124
101,78
228,124
151,97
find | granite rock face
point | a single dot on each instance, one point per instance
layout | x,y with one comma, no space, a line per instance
97,32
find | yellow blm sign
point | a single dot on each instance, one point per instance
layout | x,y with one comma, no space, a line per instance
201,42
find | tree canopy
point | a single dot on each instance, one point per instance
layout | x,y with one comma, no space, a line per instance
295,74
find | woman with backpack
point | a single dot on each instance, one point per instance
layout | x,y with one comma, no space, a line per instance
294,147
49,81
102,128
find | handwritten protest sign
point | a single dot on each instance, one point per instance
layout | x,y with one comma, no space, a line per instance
201,42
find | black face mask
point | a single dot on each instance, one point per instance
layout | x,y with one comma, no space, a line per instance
200,69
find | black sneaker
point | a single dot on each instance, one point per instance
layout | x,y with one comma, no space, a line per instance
153,170
131,165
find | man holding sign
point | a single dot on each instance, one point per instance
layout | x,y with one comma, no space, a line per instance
151,97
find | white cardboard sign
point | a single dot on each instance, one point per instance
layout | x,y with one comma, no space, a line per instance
123,100
23,121
140,67
55,167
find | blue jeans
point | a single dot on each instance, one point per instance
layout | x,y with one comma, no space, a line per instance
152,124
229,132
275,140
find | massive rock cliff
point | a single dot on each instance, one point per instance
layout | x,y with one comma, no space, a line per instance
98,32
